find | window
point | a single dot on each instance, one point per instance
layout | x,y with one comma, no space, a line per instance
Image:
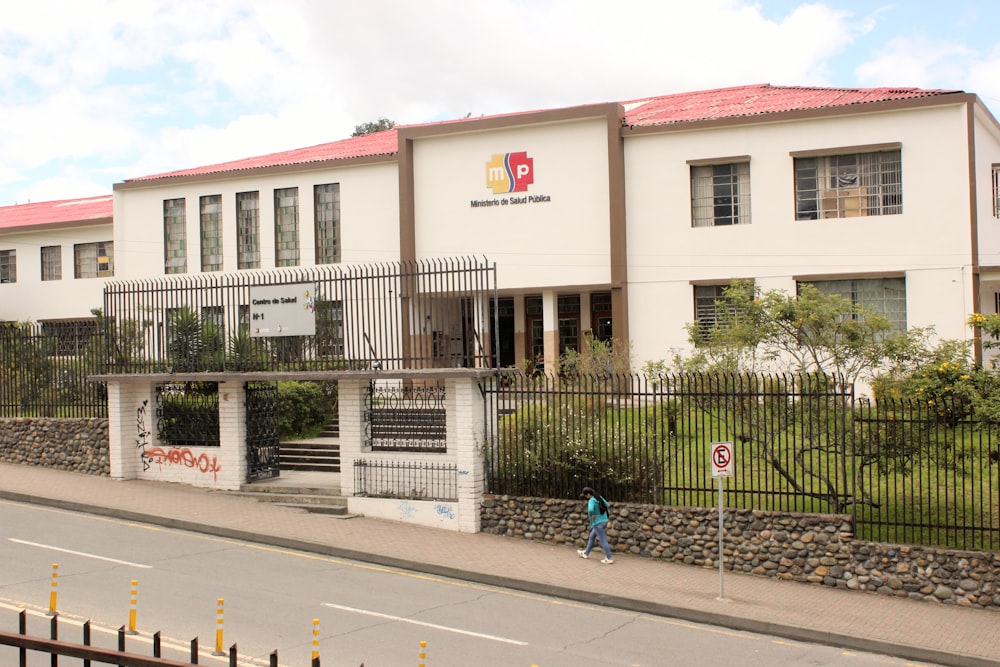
880,295
51,262
248,230
848,186
286,227
8,266
327,202
568,306
174,236
709,305
720,194
94,260
600,316
996,191
211,233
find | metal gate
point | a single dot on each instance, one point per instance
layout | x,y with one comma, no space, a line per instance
262,430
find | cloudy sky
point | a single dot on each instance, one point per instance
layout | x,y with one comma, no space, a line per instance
96,91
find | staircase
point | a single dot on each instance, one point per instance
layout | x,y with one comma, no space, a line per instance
314,492
315,455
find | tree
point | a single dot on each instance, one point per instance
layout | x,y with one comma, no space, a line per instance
808,332
800,420
373,126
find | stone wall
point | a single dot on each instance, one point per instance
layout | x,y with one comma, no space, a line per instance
78,445
812,548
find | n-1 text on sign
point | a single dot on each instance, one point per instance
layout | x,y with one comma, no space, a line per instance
283,310
722,459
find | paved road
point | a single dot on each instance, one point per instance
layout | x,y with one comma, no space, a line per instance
368,614
921,631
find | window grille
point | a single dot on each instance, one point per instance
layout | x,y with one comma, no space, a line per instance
327,203
886,296
94,260
211,233
51,262
286,227
848,186
174,236
8,266
248,230
720,195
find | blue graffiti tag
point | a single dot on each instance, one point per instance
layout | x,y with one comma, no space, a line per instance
445,511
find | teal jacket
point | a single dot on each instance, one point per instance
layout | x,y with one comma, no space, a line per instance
594,512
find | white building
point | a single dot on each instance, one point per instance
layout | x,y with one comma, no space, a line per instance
624,219
54,258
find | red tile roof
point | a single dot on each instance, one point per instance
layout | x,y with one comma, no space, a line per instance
69,212
667,109
757,100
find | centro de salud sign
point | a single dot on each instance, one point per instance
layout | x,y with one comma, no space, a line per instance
283,310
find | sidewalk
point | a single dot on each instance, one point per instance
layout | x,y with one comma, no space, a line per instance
922,631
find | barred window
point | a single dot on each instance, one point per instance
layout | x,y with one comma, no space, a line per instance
94,260
248,230
996,191
8,266
886,296
174,236
327,203
848,186
211,233
720,194
709,305
51,262
286,227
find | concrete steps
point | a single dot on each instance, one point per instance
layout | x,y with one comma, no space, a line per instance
315,455
315,492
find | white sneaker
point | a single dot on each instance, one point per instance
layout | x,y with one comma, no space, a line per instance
583,554
606,561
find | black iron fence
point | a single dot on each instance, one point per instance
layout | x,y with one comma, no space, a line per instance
422,314
402,418
44,369
800,443
412,480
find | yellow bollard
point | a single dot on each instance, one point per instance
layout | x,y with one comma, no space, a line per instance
55,585
423,654
131,609
218,632
315,653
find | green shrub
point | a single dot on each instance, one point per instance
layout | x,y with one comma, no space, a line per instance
303,408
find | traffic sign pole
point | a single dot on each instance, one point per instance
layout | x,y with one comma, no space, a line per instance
721,456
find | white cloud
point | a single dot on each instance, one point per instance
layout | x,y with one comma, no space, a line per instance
916,62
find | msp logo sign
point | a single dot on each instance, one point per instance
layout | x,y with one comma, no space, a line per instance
510,172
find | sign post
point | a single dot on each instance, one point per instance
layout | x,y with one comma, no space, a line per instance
722,467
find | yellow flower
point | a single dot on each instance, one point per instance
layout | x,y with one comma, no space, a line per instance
965,376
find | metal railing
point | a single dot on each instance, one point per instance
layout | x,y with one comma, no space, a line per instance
420,314
409,480
801,444
44,369
405,418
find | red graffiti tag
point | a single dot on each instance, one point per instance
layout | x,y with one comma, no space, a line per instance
184,457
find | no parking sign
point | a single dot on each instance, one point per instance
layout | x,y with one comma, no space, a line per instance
722,459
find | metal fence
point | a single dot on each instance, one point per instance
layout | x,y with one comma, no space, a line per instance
801,444
421,314
405,418
413,480
44,369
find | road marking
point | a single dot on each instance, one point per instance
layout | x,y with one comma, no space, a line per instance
426,625
79,553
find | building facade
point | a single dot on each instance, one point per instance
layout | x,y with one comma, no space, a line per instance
624,220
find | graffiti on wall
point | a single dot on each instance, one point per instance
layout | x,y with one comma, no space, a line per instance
183,456
172,455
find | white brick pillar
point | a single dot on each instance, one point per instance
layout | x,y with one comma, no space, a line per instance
232,435
131,425
351,402
466,410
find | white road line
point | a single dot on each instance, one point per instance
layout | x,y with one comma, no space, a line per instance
80,553
426,625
